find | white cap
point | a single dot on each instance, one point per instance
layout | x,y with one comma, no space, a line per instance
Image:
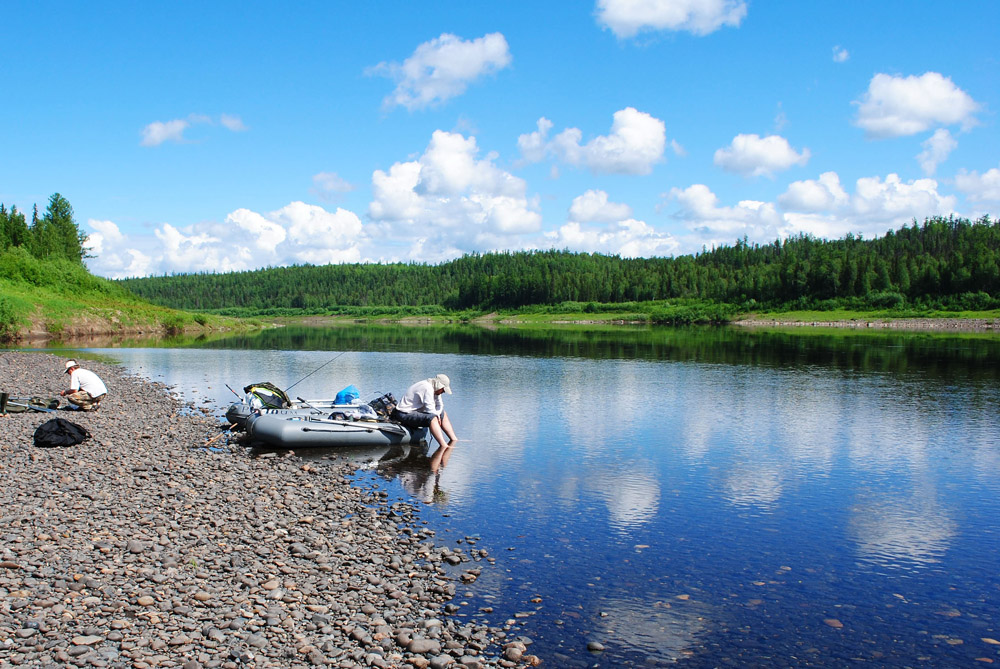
441,381
70,364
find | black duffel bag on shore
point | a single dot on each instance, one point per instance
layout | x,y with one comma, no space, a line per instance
59,432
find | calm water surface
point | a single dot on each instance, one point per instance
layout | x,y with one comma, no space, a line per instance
709,497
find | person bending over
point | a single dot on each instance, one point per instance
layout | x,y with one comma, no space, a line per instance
86,390
422,406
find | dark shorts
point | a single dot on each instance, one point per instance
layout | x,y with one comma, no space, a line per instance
412,418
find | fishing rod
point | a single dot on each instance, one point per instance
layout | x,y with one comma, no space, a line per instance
314,371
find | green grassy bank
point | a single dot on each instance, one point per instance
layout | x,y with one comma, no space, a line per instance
57,298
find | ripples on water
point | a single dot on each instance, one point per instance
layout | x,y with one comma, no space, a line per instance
709,497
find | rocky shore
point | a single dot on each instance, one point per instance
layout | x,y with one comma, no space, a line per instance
147,546
916,324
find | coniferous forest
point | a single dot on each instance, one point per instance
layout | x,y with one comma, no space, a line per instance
54,235
950,263
943,263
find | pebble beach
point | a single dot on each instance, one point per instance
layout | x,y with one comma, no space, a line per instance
149,545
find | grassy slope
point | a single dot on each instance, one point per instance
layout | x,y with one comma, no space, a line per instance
60,298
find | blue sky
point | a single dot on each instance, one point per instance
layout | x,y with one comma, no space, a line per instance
226,136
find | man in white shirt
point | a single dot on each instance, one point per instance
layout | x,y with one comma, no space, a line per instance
422,406
86,390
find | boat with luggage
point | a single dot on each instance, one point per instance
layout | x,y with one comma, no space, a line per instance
238,412
271,418
268,399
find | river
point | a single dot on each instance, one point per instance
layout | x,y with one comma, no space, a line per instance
705,496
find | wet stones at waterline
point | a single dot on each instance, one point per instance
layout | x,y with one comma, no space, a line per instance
140,548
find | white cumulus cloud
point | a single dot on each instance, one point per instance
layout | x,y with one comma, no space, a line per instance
593,206
443,68
295,234
628,238
821,194
105,232
980,187
533,144
627,18
234,123
752,155
893,201
820,207
937,148
636,142
715,224
899,106
194,250
451,200
158,132
262,233
840,54
875,201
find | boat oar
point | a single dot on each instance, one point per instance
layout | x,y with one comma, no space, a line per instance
220,435
309,406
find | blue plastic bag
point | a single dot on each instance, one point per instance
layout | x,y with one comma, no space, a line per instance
347,395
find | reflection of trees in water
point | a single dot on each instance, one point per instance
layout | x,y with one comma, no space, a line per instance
934,354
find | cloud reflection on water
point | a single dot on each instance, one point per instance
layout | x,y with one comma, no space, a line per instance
903,532
667,631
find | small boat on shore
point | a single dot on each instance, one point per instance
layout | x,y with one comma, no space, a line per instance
268,399
310,431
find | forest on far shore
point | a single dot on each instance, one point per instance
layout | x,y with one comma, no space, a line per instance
944,263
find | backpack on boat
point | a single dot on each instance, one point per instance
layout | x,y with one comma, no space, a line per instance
383,405
59,432
267,396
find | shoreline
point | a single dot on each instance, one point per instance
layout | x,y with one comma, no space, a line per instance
38,337
491,321
917,324
142,547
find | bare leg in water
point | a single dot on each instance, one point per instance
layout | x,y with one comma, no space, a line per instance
440,427
440,458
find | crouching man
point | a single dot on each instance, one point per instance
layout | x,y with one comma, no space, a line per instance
86,390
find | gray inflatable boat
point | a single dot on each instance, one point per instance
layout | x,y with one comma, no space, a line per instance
238,412
309,431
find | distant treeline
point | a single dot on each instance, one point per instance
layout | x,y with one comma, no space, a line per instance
944,262
54,235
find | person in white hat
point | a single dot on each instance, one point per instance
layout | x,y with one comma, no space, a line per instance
86,390
422,406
